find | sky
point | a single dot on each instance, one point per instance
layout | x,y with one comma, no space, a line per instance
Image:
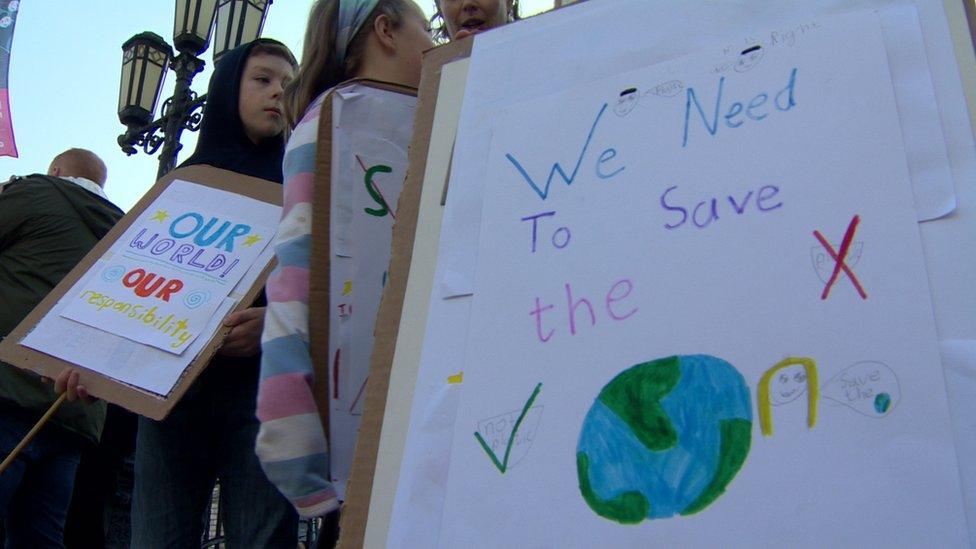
64,80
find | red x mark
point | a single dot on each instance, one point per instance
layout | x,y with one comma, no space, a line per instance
839,259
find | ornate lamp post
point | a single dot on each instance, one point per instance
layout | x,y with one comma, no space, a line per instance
146,56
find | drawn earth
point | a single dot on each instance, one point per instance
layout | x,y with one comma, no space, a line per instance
664,437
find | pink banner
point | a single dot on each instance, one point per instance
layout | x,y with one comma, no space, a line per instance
8,147
8,17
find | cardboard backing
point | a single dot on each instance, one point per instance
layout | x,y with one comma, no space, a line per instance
360,487
321,246
140,401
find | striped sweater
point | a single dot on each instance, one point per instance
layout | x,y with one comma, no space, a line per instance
291,444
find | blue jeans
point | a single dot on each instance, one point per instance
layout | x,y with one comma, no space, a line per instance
36,489
210,434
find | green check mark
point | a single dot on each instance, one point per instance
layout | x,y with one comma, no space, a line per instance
503,465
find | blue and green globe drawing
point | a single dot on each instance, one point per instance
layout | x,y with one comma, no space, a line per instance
663,438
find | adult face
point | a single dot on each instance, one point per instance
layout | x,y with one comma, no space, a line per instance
262,83
467,17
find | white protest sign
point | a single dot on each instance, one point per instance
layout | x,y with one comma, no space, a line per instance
162,281
371,134
701,314
593,31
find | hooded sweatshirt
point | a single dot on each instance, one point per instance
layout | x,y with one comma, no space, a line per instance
47,225
223,142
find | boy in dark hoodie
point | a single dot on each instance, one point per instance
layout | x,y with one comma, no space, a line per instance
210,433
47,225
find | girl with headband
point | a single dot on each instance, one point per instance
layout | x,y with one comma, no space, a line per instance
375,39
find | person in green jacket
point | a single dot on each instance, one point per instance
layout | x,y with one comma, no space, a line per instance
47,225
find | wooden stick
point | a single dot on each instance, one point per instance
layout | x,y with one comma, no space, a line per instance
33,432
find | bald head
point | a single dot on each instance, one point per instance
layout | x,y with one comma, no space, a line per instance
79,163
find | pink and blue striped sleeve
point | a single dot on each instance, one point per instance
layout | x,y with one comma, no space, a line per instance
291,443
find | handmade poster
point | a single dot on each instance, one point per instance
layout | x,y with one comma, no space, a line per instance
701,313
137,376
931,128
162,281
371,133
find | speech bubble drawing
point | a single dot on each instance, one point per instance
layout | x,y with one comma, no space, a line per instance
666,89
869,388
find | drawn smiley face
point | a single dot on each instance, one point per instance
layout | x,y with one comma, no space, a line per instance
788,384
749,58
626,102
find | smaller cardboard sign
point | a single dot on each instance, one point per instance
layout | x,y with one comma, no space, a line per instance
141,315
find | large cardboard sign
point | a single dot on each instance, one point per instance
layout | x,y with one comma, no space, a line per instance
141,315
791,394
669,271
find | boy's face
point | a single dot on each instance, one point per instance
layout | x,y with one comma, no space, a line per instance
259,104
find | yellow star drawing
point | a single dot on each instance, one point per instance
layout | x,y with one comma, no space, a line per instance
160,216
251,240
347,287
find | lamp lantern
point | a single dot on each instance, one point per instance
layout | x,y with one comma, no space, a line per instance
192,25
145,57
238,22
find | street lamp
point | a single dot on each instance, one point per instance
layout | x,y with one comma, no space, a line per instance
146,56
237,19
144,60
192,25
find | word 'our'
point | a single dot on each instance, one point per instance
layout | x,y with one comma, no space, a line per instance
144,284
204,234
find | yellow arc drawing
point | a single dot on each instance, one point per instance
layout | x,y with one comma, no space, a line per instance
765,407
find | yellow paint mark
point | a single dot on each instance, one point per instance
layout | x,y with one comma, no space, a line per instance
347,287
160,216
455,379
251,240
813,392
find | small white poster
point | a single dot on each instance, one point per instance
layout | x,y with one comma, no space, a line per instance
162,281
